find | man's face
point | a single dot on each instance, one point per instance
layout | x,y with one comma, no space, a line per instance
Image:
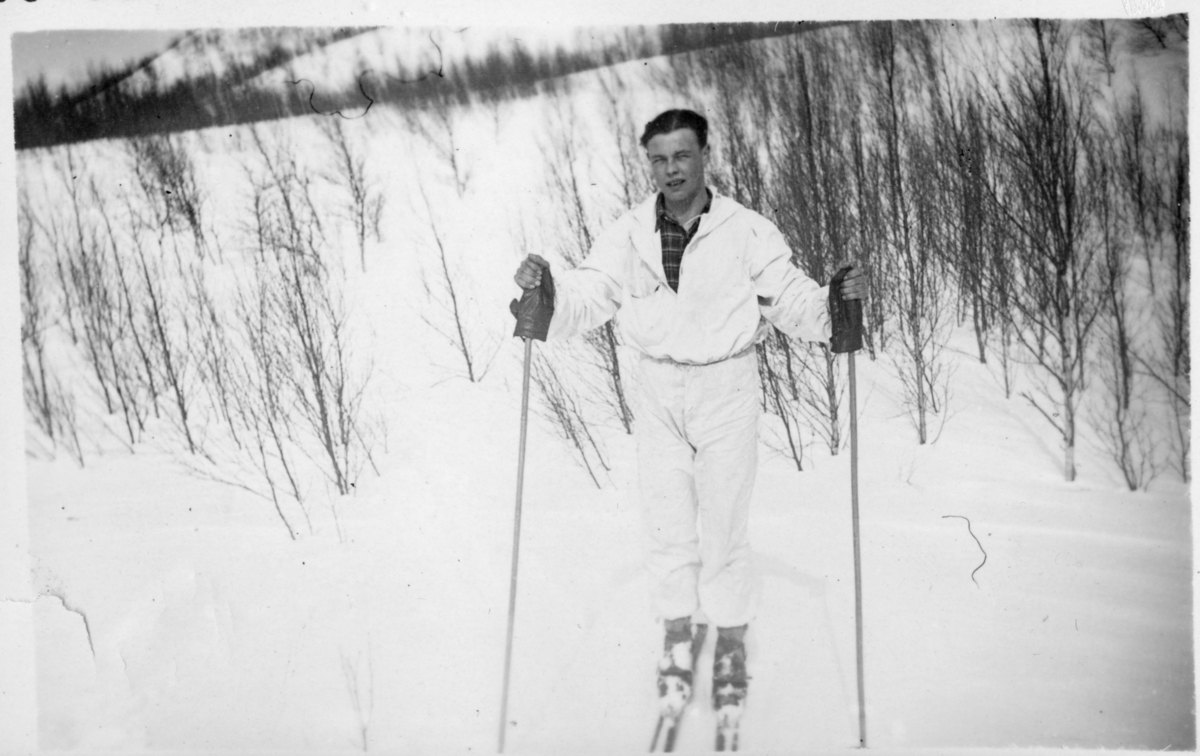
677,163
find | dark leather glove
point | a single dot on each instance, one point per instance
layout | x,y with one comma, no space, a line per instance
535,308
845,317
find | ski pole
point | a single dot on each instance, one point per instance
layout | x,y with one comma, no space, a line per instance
846,318
533,313
858,621
516,547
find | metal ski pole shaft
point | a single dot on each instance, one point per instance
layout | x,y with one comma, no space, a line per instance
858,624
516,547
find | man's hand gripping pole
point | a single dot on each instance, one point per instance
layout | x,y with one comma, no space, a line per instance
535,309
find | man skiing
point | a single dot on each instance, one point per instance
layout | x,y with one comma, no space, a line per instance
698,279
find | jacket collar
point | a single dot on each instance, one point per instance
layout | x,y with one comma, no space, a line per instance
647,240
662,216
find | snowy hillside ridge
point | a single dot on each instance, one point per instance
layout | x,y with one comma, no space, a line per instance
229,53
273,403
226,77
189,83
470,52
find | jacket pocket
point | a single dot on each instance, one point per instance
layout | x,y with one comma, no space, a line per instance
644,283
646,291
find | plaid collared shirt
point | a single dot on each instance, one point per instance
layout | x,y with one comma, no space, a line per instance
675,238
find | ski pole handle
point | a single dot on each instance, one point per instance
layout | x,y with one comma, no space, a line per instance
845,317
535,309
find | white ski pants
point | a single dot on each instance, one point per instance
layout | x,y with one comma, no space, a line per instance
697,442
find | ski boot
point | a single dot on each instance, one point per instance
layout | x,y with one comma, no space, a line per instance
730,683
675,676
675,669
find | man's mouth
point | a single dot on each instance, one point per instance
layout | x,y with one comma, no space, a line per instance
674,183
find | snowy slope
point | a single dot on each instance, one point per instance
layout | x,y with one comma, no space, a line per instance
212,630
176,614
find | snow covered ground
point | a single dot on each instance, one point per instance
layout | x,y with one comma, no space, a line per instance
174,613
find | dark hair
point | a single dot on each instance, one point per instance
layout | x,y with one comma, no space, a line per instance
672,120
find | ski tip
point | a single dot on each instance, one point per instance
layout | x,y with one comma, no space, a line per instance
667,728
727,739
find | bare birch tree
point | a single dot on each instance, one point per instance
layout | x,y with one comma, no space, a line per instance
448,313
565,187
1120,418
363,202
1043,114
899,58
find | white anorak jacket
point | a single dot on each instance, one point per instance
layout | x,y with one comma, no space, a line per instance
697,401
736,270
